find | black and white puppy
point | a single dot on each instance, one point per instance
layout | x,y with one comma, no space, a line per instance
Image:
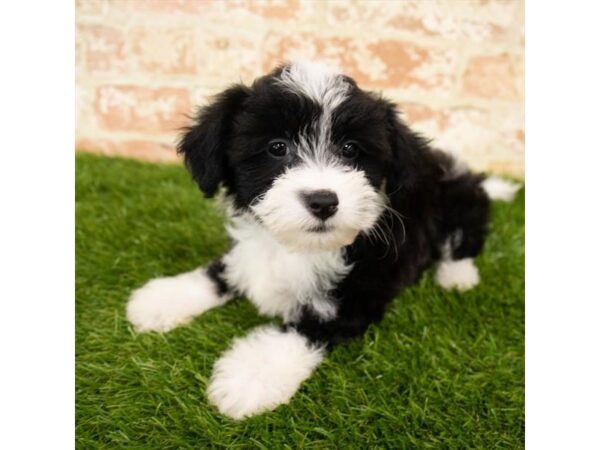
335,206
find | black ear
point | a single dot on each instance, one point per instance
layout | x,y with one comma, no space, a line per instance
409,153
204,144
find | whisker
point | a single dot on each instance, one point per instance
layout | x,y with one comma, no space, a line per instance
382,231
398,216
388,210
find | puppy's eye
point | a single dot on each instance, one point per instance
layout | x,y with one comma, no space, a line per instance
350,150
278,149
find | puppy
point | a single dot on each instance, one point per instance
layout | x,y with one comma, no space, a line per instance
335,206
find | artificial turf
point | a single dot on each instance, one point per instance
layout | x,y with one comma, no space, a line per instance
443,370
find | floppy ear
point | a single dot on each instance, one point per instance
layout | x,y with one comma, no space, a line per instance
409,152
204,144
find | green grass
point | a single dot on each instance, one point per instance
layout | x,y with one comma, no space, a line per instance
443,370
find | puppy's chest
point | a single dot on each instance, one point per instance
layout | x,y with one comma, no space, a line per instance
279,281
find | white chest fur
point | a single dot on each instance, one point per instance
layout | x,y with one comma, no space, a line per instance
279,281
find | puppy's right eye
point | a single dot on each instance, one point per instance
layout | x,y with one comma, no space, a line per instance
278,149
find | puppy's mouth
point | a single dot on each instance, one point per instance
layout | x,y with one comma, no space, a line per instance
321,228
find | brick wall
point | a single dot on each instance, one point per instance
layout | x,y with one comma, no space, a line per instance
455,67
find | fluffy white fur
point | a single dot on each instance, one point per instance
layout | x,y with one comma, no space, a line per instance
165,303
276,279
461,274
284,214
500,189
261,371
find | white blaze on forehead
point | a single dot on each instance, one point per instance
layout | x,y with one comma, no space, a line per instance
325,86
318,81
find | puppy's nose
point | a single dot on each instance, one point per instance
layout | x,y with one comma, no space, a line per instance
321,203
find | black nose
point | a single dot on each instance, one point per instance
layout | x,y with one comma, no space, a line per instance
321,204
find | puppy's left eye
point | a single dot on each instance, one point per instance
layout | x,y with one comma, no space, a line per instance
350,150
278,149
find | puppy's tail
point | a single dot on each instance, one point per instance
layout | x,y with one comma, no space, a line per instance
500,189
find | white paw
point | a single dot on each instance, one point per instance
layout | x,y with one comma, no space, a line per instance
164,303
261,371
461,274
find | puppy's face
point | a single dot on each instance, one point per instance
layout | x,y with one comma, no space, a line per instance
304,150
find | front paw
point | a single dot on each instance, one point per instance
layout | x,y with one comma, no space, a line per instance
261,371
165,303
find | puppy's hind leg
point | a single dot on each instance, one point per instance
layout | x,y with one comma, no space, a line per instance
165,303
465,211
460,274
